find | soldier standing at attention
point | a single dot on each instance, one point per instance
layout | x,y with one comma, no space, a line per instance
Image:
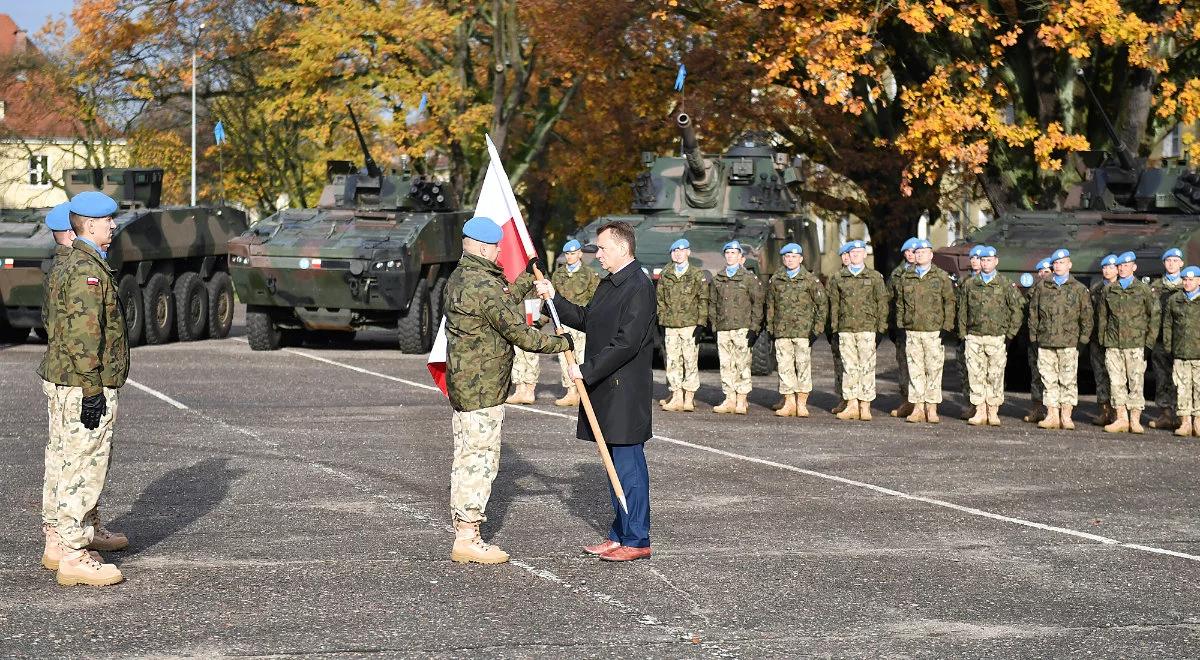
989,316
682,296
796,309
1181,336
960,352
1037,411
835,346
1128,324
483,323
898,338
577,284
87,360
735,308
526,366
1108,275
925,308
1060,321
1164,386
858,312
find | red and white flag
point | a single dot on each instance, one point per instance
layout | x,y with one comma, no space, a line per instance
496,201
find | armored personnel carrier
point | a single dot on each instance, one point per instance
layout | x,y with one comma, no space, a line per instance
170,263
749,193
375,252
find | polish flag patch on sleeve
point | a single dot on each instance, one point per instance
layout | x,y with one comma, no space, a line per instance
93,281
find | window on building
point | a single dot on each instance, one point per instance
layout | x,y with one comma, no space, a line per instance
39,170
3,109
1172,145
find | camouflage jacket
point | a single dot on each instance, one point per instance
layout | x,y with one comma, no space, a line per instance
682,299
796,306
87,346
893,293
1181,326
1097,292
858,303
989,309
1060,316
1128,318
578,287
484,321
736,302
51,282
925,304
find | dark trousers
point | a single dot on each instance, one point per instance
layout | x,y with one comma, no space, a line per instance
633,528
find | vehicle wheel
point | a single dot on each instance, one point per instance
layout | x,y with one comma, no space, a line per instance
762,356
159,304
220,305
191,307
42,334
130,296
415,327
437,301
263,334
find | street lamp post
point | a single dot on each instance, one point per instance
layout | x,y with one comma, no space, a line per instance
195,46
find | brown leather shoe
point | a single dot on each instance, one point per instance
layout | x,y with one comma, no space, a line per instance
625,553
600,548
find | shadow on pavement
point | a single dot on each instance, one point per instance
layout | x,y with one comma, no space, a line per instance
584,493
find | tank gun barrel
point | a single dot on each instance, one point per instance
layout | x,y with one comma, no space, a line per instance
372,169
691,147
1124,155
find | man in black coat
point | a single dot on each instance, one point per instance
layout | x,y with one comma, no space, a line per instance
620,322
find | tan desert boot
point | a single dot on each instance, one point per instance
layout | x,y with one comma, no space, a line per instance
971,412
727,406
1067,423
917,415
1185,427
1121,423
993,415
1037,412
741,407
802,404
931,414
53,552
523,395
864,411
675,403
850,411
568,400
903,410
106,540
839,407
980,418
1135,421
80,567
469,548
689,401
789,407
1052,420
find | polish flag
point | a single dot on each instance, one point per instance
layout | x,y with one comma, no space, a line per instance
496,201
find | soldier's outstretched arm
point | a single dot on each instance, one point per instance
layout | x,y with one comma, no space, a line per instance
511,325
81,293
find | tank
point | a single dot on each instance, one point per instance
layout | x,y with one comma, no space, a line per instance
749,193
170,263
375,252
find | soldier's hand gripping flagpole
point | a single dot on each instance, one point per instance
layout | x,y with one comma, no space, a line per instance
601,445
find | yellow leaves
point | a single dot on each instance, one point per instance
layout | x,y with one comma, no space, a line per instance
1075,25
1054,140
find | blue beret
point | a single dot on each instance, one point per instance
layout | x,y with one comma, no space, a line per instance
1043,264
976,251
572,246
1060,253
733,245
484,230
844,248
987,251
59,217
908,245
681,244
93,204
855,245
1108,260
1190,271
922,243
791,248
1173,252
1126,258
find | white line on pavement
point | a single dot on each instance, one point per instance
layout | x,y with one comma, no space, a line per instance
155,393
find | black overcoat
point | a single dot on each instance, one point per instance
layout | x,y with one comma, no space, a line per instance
620,322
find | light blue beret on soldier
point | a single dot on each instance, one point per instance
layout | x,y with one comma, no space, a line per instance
791,248
1126,258
987,251
93,204
483,230
1060,253
1109,260
59,217
922,243
909,245
572,246
1172,252
855,245
733,245
976,251
1044,264
1190,271
681,244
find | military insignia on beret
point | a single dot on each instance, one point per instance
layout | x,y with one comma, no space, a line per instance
93,281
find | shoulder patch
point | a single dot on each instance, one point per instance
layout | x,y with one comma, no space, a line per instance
93,281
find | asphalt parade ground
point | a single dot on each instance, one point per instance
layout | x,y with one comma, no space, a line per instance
295,503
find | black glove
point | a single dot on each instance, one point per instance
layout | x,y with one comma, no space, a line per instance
92,410
531,265
878,338
697,332
570,342
751,337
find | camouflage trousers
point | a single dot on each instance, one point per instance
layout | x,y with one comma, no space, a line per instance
986,356
683,359
526,367
964,376
476,461
1059,368
903,378
1187,386
835,347
926,358
1099,373
734,353
858,365
1035,376
83,456
1126,376
580,341
1164,384
794,356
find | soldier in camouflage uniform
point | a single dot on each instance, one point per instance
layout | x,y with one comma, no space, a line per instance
483,323
1037,411
989,316
1060,321
1181,336
577,283
682,296
898,337
925,303
87,361
858,312
1128,323
796,310
735,309
831,336
960,350
1164,386
526,366
1108,275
